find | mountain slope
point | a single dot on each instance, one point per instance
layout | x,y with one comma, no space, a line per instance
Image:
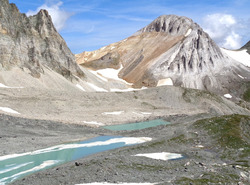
170,50
247,47
33,44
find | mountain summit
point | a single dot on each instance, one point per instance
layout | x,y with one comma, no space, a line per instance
170,50
33,44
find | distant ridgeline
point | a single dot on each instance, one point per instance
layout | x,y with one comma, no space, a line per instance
247,47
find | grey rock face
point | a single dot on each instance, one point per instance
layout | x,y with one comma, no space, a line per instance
33,43
247,47
194,62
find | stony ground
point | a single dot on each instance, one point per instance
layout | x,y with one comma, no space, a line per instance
215,163
51,118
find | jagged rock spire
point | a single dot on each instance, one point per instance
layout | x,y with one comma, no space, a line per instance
33,43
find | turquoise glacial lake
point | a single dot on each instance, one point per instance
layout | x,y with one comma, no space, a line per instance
137,126
13,167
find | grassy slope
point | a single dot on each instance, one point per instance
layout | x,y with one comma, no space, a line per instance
230,138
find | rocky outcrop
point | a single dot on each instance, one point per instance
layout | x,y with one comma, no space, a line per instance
171,48
32,44
247,47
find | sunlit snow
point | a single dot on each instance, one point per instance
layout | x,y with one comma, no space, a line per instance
113,113
161,156
9,110
127,90
241,76
4,86
93,123
111,73
167,81
241,56
188,32
80,87
228,96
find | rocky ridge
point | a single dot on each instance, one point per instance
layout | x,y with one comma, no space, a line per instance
247,47
33,44
172,49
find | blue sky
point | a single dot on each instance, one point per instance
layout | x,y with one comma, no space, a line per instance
90,24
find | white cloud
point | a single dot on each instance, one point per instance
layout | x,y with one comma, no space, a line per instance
59,16
224,30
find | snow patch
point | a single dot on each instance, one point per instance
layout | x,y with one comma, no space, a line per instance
167,81
9,110
127,90
112,48
199,146
4,86
161,156
93,123
241,76
227,96
113,113
188,32
111,73
96,88
240,56
80,87
146,113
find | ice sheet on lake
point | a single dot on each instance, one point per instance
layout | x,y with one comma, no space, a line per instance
45,164
126,140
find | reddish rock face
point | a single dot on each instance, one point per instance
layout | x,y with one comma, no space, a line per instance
173,48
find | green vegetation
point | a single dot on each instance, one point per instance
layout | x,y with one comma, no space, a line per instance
142,167
209,178
189,93
246,95
181,139
230,133
156,144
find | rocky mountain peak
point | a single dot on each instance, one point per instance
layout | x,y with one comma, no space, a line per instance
171,24
172,49
33,43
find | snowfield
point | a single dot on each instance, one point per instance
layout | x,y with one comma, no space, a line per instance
241,56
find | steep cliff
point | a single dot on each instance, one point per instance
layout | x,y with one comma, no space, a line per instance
33,44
